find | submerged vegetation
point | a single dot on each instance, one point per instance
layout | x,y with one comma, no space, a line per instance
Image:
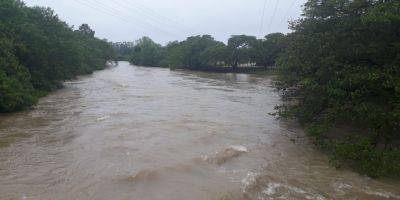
38,50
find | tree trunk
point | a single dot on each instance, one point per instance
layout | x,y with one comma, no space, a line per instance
235,66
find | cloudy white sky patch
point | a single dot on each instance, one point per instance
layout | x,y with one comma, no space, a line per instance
168,20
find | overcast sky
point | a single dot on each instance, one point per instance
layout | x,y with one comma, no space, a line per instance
168,20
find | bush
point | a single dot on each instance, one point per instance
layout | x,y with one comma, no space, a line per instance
341,66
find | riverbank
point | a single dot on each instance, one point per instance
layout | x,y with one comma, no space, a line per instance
36,94
239,70
354,149
244,70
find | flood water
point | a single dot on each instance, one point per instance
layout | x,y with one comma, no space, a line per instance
138,133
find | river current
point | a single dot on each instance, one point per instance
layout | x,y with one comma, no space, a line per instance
137,133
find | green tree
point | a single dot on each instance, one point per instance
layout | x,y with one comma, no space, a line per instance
123,50
172,55
39,51
215,55
270,49
241,48
341,66
86,30
146,52
197,52
16,91
195,56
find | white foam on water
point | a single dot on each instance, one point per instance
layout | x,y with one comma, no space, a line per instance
271,188
249,180
143,175
103,118
386,195
341,188
239,148
227,154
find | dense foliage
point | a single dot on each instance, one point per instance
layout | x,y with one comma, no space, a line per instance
204,52
38,50
342,67
123,50
270,49
146,52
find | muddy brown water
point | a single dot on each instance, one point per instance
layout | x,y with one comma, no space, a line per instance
131,132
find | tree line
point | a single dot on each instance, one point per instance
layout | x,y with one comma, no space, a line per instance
341,68
204,52
38,51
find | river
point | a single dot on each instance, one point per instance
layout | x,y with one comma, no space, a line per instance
132,132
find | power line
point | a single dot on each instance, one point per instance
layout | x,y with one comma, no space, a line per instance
100,7
156,16
287,11
129,16
151,17
273,15
262,18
